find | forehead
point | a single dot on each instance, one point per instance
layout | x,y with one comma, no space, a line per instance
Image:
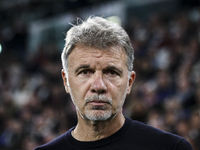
83,53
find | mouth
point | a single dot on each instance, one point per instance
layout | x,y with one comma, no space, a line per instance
98,103
101,101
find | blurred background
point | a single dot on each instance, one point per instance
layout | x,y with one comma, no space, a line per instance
34,108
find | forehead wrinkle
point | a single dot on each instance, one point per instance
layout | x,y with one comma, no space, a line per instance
97,53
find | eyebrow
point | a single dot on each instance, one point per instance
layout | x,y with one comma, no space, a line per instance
114,68
82,67
107,68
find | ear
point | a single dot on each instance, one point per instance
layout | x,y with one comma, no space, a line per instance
65,81
131,80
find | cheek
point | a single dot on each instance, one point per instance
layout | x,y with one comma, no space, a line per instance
120,85
78,90
118,92
73,90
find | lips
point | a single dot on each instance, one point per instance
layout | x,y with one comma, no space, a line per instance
98,103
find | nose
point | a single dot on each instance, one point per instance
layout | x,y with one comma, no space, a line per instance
98,86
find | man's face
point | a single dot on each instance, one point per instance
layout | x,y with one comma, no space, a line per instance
97,81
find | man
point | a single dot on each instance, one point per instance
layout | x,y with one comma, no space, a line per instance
97,73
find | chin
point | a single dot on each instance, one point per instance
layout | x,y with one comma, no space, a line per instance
98,116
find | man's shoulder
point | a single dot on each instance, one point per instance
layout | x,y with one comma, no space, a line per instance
145,129
150,135
57,143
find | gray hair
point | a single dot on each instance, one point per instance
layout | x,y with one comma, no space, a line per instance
99,33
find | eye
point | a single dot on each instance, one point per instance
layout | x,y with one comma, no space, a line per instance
85,72
112,73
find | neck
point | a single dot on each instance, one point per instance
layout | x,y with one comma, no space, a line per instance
91,131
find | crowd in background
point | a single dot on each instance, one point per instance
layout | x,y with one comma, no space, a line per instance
35,109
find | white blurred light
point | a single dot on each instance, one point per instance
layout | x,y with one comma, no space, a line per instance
0,48
115,19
